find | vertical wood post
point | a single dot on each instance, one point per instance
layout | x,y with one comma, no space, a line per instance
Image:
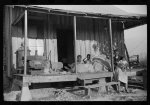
9,44
110,33
25,43
48,33
45,36
11,53
74,24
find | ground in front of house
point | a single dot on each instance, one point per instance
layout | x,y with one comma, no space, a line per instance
69,94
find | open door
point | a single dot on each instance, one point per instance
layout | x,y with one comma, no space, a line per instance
65,45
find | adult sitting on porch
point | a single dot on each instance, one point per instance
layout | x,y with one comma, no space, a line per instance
101,65
101,62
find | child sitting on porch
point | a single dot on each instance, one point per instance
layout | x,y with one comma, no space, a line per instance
87,60
79,61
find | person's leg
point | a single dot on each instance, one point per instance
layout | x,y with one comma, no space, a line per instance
126,87
115,78
118,86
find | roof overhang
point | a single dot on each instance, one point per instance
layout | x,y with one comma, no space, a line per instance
129,21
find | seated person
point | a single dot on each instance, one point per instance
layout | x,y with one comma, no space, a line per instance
87,60
66,66
101,62
101,65
88,64
81,67
79,61
100,55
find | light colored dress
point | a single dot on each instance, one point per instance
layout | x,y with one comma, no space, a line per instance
122,74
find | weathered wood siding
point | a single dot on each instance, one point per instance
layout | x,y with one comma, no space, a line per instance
95,32
7,37
39,34
90,33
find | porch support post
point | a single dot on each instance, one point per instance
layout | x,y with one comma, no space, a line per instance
25,92
110,33
25,42
74,24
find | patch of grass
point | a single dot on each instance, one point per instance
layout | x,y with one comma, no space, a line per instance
143,61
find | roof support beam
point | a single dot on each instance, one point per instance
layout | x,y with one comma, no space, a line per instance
74,26
25,42
18,19
111,46
88,15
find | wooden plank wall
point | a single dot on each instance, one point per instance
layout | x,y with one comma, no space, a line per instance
7,34
17,33
51,40
58,23
118,37
36,32
90,33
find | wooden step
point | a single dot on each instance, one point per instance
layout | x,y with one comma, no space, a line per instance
98,85
101,84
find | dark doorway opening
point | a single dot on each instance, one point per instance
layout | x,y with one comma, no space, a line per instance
65,45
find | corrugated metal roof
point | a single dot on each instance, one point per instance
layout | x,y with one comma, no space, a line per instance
103,9
98,11
90,10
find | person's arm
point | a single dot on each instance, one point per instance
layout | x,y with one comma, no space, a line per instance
84,60
72,65
127,65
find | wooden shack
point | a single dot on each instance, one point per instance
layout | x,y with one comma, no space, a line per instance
55,29
64,33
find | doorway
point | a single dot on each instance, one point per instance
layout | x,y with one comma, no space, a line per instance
65,45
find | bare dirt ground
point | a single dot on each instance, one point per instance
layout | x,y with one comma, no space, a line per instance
52,94
136,93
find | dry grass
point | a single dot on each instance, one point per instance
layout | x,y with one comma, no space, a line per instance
143,61
52,94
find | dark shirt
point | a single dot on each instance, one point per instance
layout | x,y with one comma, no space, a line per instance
66,67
